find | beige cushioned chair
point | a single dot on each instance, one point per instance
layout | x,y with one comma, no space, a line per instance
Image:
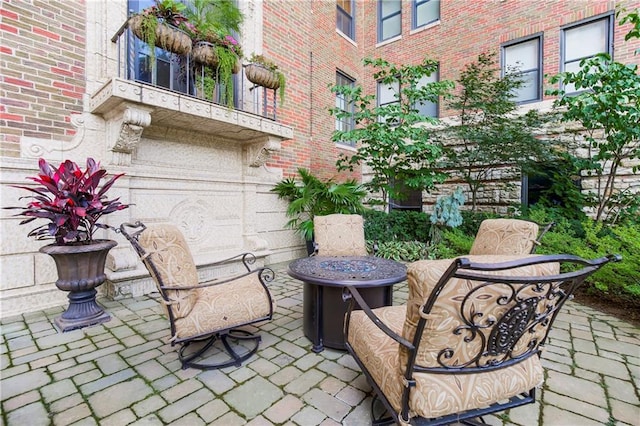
469,338
201,314
507,236
339,235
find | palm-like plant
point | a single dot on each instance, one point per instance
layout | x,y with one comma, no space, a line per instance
310,196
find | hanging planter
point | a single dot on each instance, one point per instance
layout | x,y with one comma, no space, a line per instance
160,34
262,76
265,73
208,54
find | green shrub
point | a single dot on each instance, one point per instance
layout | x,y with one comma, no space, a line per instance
454,243
405,251
396,226
616,281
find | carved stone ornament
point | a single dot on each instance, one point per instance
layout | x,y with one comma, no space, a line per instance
259,152
124,130
131,125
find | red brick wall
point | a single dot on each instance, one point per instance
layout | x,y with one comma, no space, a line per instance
43,70
301,35
466,28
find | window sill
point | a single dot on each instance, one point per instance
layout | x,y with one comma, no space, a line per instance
346,37
425,27
391,40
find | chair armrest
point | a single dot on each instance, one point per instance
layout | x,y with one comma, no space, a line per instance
265,274
357,297
247,260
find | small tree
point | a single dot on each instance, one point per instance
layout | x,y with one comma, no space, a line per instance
487,134
394,140
608,107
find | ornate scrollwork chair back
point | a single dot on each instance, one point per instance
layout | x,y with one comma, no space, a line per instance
339,235
508,236
203,313
469,339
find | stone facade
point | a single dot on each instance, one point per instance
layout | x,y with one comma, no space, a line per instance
187,161
204,167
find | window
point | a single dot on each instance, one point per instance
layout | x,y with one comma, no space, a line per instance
388,94
428,109
389,19
347,123
165,72
344,18
425,12
583,41
409,199
169,69
525,57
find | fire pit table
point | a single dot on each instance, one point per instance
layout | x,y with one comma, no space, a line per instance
324,279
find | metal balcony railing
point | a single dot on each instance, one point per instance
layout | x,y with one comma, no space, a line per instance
177,73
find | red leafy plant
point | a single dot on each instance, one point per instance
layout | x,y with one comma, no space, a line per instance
71,199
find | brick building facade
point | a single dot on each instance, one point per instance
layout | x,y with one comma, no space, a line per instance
64,94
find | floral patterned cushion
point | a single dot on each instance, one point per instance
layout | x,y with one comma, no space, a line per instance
434,395
339,235
444,317
167,250
224,306
505,236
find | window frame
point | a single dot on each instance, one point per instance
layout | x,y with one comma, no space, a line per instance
349,123
382,19
540,64
340,12
437,104
414,13
608,17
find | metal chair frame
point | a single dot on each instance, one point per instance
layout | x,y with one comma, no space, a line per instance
229,337
505,331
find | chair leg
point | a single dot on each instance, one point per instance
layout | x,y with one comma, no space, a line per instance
209,357
378,419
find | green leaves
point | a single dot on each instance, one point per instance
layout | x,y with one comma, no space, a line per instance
394,140
490,135
608,107
311,196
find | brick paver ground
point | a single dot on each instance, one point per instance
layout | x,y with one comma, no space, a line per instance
125,372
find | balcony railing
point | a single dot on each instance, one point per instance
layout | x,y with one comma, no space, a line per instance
177,73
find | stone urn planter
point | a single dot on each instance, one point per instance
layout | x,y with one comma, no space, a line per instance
80,271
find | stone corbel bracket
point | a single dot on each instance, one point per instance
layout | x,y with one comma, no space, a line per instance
125,125
260,150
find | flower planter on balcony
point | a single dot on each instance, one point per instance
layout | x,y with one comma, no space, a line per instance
167,37
205,53
262,76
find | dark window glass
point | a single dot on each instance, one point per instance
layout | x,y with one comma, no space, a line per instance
524,57
344,17
347,123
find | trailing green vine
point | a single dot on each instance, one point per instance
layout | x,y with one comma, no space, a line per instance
226,61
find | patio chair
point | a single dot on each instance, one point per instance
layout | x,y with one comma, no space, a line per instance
468,341
339,235
203,314
508,236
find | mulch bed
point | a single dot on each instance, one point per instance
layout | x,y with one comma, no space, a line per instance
620,309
